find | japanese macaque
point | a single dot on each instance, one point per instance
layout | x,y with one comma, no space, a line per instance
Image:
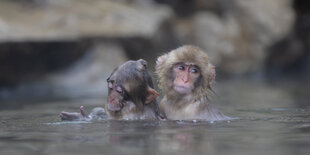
185,76
130,97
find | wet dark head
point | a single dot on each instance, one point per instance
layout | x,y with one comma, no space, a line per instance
128,83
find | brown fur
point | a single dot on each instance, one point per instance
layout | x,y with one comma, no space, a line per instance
195,105
135,79
135,101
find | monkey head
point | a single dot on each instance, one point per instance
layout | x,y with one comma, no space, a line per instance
130,88
185,70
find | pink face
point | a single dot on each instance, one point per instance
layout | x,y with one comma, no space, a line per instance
185,76
116,96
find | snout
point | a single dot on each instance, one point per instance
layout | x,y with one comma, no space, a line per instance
114,107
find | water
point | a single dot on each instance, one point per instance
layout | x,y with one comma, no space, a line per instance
271,120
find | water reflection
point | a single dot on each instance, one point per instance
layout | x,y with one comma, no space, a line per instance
270,122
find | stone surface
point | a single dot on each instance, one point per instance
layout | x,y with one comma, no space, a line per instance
48,20
85,78
29,28
237,35
237,38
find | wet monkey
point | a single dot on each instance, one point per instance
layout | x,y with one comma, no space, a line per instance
185,76
130,97
131,93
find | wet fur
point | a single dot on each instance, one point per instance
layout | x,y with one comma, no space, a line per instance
135,78
192,106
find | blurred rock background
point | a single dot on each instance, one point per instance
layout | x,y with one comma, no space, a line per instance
67,48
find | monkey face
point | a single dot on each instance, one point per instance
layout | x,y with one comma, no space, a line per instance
117,96
185,76
130,87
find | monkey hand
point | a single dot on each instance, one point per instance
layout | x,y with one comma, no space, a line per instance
74,116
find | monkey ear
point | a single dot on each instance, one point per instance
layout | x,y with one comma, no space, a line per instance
160,61
141,65
212,74
152,94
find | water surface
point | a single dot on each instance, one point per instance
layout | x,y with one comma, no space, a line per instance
271,120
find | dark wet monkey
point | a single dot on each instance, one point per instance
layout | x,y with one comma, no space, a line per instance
131,95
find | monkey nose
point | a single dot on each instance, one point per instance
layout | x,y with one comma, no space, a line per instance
185,78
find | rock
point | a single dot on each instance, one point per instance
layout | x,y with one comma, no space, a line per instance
290,57
28,61
237,38
85,78
49,20
186,8
29,28
235,33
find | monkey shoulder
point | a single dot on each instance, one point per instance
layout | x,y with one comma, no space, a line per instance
174,112
193,111
211,113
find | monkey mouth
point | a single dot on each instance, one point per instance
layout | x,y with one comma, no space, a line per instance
182,89
114,107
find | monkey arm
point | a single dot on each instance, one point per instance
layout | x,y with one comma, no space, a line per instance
74,116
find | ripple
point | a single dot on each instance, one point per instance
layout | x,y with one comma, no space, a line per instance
68,122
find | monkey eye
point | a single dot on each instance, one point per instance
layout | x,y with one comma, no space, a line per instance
110,85
122,92
119,89
194,70
180,67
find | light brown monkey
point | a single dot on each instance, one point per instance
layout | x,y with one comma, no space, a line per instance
185,76
131,95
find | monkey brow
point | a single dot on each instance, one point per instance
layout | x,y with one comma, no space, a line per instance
109,80
186,63
179,63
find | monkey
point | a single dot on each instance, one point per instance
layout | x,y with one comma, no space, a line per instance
131,96
185,76
131,92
